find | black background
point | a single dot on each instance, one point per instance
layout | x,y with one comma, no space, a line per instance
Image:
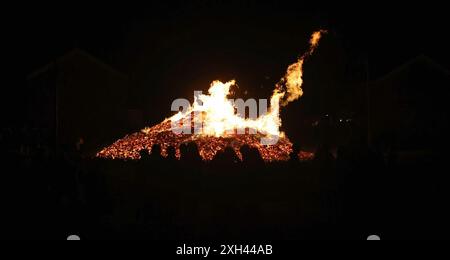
171,48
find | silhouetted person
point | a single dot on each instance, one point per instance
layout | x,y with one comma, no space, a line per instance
252,162
171,154
171,161
226,160
145,163
190,156
155,161
155,155
251,156
145,156
183,151
294,159
324,156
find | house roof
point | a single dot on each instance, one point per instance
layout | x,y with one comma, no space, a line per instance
419,59
72,53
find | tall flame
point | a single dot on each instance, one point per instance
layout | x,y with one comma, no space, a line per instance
220,118
217,116
291,83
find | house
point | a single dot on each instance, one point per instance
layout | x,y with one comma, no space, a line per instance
78,97
408,107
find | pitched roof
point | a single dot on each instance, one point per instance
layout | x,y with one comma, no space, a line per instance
419,59
72,53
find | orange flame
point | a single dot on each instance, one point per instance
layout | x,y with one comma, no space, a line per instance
291,83
219,121
220,118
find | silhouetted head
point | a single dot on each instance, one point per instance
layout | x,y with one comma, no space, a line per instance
156,152
294,154
183,151
251,155
296,148
190,153
144,155
245,150
171,153
228,157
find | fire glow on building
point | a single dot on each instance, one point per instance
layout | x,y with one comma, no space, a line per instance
219,123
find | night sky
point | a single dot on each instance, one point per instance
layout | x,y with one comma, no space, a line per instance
171,49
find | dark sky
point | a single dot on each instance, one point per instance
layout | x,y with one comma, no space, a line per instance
171,49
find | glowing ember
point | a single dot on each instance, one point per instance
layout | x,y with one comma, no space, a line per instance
306,156
130,146
221,127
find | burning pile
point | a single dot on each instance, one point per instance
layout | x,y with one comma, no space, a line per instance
219,123
130,146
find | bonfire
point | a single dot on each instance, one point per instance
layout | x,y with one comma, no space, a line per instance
212,123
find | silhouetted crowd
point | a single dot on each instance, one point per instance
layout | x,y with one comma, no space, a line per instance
348,193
